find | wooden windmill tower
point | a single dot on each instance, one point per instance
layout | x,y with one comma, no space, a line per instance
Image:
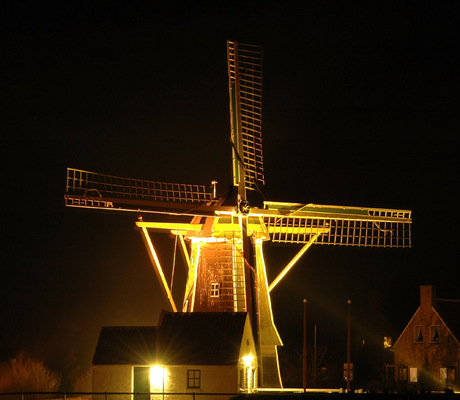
221,239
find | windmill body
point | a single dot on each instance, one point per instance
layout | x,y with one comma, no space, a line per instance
222,244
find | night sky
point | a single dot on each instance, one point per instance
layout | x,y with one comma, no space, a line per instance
360,108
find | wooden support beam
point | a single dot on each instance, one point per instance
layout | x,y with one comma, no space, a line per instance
157,267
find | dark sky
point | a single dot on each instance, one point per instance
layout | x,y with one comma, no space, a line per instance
360,108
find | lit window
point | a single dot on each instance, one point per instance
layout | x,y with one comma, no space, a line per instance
215,289
413,374
447,374
443,373
193,378
418,334
434,334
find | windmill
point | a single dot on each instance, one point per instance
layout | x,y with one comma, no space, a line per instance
222,238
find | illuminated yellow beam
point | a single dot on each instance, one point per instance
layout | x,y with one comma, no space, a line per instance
157,267
184,251
296,230
293,261
180,227
194,276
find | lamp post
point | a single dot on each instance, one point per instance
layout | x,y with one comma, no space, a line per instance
348,347
304,345
314,358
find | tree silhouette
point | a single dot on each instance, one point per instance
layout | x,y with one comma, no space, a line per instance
324,371
25,374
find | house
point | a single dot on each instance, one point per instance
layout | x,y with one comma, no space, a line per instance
427,354
185,353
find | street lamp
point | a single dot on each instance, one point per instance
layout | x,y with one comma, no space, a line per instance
157,379
304,345
348,347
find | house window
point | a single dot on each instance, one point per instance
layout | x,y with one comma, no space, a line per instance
193,378
434,334
413,374
447,374
402,374
418,334
215,289
443,373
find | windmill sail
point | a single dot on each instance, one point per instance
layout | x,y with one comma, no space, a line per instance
86,189
338,225
245,89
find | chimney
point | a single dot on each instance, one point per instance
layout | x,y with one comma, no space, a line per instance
427,296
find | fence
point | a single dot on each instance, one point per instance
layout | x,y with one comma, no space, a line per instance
114,396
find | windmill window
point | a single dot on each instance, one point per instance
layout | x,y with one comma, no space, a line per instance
418,334
193,378
434,334
215,289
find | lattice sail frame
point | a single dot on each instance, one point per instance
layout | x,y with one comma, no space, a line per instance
93,190
245,89
283,222
338,225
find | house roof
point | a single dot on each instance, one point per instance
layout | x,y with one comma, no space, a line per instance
449,311
126,345
179,339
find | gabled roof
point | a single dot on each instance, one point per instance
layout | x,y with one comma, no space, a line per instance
201,338
179,339
449,311
134,345
406,327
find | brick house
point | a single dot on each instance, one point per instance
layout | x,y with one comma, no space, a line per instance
427,353
185,353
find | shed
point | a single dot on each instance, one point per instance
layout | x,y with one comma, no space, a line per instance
184,353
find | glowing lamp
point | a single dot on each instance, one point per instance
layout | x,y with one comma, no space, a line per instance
247,360
157,378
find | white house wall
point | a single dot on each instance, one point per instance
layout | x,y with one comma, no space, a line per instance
214,379
112,378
